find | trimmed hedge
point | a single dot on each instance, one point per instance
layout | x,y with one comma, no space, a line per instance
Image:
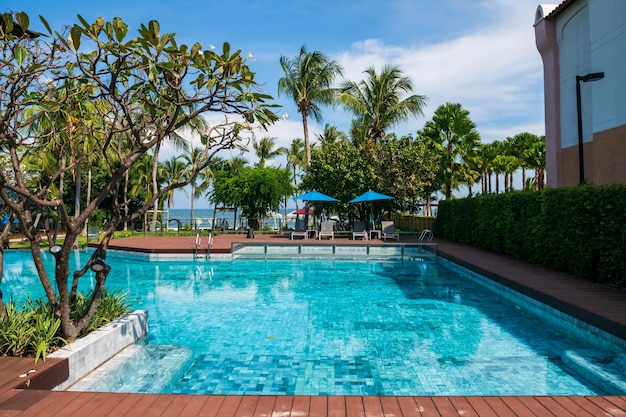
580,230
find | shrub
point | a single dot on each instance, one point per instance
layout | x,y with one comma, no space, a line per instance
580,230
34,330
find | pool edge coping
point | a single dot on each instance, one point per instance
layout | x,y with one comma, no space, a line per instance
89,352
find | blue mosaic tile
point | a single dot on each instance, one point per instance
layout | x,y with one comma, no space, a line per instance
329,327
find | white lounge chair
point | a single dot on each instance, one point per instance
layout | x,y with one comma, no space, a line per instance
389,230
326,229
300,230
359,230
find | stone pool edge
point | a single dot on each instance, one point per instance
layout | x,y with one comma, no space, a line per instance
89,352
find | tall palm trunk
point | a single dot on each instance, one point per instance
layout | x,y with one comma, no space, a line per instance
126,176
307,143
193,197
77,175
88,197
155,188
295,184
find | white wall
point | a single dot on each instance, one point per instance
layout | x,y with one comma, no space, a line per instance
575,59
608,53
592,38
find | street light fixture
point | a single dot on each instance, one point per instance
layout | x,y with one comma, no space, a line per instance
594,76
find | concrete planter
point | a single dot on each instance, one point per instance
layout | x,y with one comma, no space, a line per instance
87,353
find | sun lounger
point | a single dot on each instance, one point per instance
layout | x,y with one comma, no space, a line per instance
389,230
359,230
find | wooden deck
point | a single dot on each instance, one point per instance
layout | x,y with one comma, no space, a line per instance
605,307
57,404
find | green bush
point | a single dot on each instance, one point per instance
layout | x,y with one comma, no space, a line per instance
34,330
580,230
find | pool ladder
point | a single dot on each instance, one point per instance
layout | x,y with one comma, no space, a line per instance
196,251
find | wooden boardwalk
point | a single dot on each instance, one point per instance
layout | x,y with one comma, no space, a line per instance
605,307
66,404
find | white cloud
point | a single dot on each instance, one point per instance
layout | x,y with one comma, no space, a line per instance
494,72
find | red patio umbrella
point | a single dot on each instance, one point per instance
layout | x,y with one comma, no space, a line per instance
301,211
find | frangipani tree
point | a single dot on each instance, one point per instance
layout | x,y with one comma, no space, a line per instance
146,88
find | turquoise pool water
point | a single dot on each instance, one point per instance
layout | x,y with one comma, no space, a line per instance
324,327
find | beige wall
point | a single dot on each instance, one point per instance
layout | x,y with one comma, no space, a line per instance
605,159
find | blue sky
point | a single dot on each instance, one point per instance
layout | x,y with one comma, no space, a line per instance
479,53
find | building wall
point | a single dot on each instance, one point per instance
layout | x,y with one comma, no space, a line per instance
590,36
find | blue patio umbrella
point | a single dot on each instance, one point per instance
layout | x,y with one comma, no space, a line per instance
370,196
313,196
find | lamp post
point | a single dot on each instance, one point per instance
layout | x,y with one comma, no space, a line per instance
594,76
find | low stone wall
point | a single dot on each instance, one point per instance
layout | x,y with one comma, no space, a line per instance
87,353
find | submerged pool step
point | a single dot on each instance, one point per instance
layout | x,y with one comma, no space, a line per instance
139,368
333,250
603,369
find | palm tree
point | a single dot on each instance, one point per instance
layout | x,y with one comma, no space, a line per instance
140,174
235,165
308,79
228,169
296,158
331,135
179,143
537,159
487,152
173,170
193,158
264,150
379,102
453,135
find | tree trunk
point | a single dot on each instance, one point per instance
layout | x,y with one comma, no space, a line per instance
193,197
214,217
126,200
155,185
88,197
295,183
307,144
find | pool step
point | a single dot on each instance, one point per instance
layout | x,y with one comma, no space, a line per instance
139,368
606,370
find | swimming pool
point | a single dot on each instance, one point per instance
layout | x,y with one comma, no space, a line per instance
324,327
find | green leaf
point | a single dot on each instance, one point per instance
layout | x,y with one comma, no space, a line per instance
75,34
8,22
45,23
83,21
155,28
194,49
20,54
22,20
108,29
121,29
